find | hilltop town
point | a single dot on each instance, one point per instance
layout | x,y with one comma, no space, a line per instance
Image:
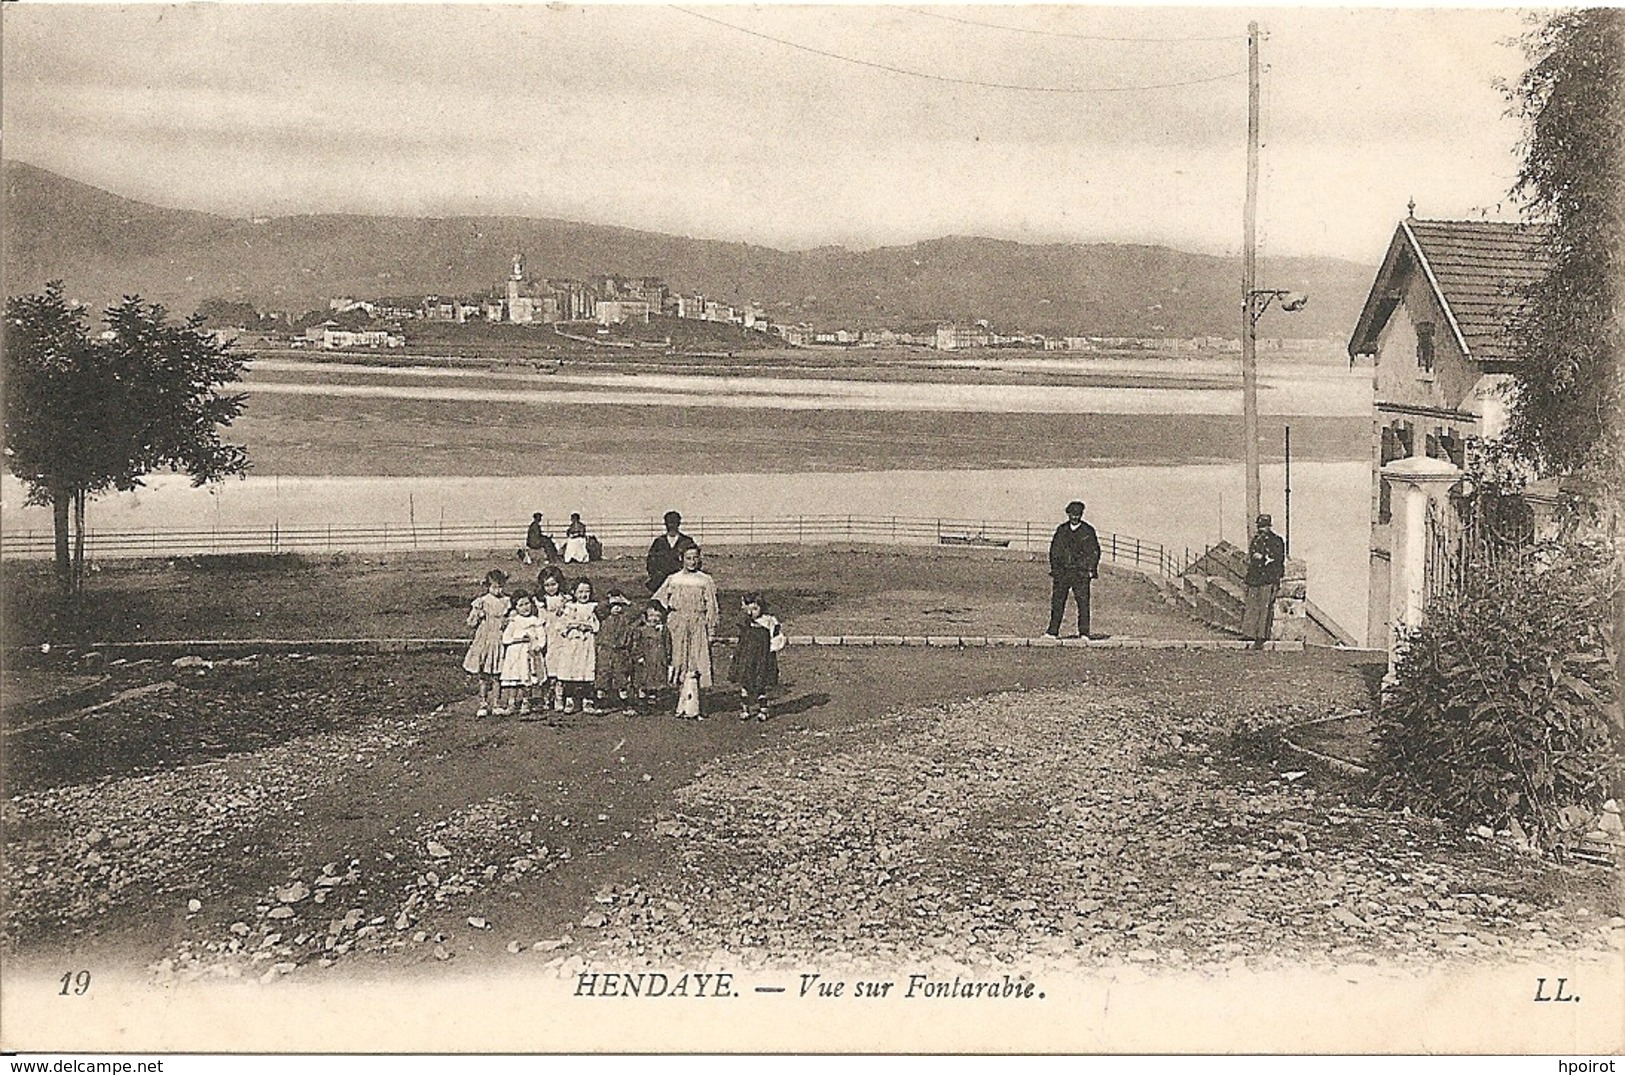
605,308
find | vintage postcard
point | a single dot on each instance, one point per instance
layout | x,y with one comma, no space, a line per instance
720,528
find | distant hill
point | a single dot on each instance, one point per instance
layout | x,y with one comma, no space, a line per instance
105,246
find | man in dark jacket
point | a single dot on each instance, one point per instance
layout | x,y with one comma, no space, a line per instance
666,554
1074,559
1266,565
538,544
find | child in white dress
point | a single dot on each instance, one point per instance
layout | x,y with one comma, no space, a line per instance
550,606
572,653
690,597
486,614
524,640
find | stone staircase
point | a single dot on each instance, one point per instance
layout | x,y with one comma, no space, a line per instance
1213,589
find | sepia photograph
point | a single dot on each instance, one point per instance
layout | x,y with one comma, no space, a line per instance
867,529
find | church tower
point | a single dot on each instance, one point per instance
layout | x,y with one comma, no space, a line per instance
519,307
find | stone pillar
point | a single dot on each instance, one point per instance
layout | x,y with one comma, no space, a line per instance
1290,621
1414,482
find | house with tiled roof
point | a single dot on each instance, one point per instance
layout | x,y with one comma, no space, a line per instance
1437,329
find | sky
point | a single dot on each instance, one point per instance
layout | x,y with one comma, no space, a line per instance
665,119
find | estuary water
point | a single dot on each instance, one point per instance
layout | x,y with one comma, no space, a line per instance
1321,390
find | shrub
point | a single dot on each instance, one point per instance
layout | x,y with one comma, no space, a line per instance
1503,708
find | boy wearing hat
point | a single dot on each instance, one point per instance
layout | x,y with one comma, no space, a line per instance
1266,565
1074,559
614,656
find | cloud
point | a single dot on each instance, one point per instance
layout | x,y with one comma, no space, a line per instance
648,117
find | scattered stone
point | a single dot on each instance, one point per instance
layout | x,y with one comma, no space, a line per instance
293,893
1349,918
437,850
194,906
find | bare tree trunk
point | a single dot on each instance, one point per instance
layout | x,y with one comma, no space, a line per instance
79,543
59,520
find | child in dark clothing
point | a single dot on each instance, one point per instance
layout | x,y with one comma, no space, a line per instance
651,657
615,652
756,658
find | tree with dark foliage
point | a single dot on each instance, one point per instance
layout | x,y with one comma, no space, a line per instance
84,415
1566,410
225,313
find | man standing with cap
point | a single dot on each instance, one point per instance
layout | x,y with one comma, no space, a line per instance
1266,565
1074,559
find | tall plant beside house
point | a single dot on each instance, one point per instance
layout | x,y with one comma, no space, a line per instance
84,415
1503,709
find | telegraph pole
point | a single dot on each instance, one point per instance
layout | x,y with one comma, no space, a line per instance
1249,282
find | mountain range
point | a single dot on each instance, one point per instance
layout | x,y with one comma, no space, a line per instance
104,246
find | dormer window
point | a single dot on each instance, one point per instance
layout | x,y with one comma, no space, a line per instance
1424,346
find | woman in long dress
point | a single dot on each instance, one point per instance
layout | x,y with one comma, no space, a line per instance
690,598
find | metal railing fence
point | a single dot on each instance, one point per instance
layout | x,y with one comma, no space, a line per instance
617,535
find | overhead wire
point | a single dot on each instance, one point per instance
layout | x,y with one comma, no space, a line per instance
1062,33
931,76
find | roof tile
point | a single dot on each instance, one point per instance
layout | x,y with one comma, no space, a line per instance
1484,269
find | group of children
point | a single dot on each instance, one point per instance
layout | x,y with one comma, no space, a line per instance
561,649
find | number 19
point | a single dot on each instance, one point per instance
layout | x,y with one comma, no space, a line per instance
78,984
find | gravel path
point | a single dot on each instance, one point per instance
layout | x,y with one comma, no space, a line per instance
1068,826
1121,808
